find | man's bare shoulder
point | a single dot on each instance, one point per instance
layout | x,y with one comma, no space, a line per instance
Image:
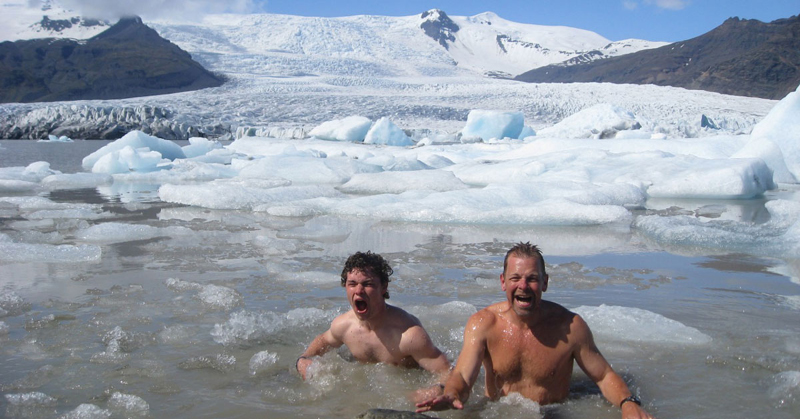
569,322
342,322
486,318
556,311
401,318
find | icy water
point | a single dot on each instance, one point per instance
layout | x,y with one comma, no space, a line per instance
208,318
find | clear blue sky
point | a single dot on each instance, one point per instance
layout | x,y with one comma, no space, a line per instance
653,20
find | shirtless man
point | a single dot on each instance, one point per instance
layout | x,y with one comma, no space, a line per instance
374,331
527,345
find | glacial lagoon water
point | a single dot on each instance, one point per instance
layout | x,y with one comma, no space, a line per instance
208,318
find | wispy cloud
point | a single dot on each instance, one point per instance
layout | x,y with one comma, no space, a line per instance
661,4
179,9
669,4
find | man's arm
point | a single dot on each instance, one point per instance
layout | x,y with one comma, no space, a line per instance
462,378
418,344
319,346
598,369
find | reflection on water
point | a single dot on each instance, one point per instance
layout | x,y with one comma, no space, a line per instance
194,312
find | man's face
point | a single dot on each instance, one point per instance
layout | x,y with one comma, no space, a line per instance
524,284
365,293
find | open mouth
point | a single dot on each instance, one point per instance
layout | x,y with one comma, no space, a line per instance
361,306
524,300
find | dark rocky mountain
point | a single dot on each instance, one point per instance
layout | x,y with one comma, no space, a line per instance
439,26
740,57
129,59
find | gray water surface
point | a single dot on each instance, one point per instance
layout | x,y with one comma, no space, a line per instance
208,319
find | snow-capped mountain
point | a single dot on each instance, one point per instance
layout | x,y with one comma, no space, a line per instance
496,46
287,74
429,43
49,20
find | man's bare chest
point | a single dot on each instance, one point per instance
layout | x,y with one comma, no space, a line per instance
523,357
366,346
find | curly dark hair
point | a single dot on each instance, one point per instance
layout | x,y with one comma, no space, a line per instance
368,262
526,250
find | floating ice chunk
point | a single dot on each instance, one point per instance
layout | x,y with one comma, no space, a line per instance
771,154
3,326
782,127
637,325
54,139
399,182
385,132
85,213
136,140
87,411
77,180
200,146
527,131
45,253
599,121
352,128
780,235
241,194
717,179
128,160
129,404
219,156
535,204
121,232
18,186
262,361
181,285
32,399
32,173
305,169
32,203
38,170
486,124
215,296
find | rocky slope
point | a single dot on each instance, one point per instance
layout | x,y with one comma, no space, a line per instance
127,60
740,57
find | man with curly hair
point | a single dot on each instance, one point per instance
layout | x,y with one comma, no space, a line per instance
373,330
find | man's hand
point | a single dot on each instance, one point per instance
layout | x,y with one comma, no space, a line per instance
634,411
302,365
426,393
443,402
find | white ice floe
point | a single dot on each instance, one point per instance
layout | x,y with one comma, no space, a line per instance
47,253
487,125
600,121
134,151
114,232
214,296
351,128
629,324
